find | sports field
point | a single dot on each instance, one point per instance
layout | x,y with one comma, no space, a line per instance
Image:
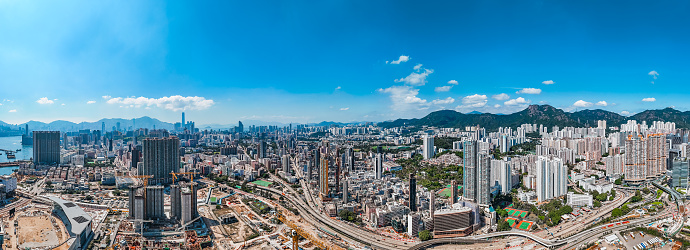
262,183
525,225
516,213
446,191
511,221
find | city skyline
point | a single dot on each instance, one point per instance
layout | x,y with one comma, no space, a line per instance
347,62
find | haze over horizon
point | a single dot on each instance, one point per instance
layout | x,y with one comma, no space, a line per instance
337,61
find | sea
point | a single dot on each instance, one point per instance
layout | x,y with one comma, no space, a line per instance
13,143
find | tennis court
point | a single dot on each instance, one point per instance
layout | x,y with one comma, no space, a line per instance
262,183
525,225
516,213
511,221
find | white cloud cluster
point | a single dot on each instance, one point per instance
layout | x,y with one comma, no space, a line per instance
401,59
13,111
404,98
516,101
654,74
531,91
625,113
454,82
416,79
448,100
90,102
602,103
501,97
174,103
582,104
417,67
474,101
649,99
343,109
45,100
443,88
548,82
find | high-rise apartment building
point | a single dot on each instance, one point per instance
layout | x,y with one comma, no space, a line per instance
323,177
483,182
428,148
46,147
378,166
413,193
453,191
551,178
469,173
645,157
161,157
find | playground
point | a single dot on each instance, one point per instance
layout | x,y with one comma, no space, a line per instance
262,183
446,191
516,213
525,225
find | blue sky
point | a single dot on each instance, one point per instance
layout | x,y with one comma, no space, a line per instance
310,61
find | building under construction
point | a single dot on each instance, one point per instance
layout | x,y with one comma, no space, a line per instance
146,203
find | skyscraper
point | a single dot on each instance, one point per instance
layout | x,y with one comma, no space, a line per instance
483,183
346,184
175,202
323,178
551,178
46,147
413,193
183,122
161,157
240,127
453,191
154,202
378,166
469,173
428,148
505,177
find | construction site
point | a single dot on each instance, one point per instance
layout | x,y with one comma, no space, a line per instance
35,227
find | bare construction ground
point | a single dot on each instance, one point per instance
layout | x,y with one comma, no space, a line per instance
36,231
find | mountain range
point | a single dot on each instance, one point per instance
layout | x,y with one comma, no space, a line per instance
540,114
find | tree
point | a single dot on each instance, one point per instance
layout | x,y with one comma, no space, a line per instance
616,212
618,182
425,235
596,204
601,197
503,226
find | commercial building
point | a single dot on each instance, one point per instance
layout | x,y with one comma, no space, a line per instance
161,157
579,200
46,147
679,175
454,222
413,193
77,222
428,148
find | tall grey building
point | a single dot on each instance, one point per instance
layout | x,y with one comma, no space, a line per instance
378,166
154,202
469,172
46,147
483,183
428,149
413,193
175,202
161,157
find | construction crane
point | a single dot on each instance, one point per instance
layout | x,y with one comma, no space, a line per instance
299,231
191,175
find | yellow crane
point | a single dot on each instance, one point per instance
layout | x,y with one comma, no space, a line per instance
191,175
299,231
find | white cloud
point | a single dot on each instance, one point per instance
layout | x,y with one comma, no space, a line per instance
474,101
106,97
417,67
454,82
416,79
531,91
401,59
443,88
404,98
625,113
649,99
13,111
90,102
497,105
174,103
338,88
501,97
548,82
44,100
62,104
516,101
602,103
582,104
343,109
448,100
654,74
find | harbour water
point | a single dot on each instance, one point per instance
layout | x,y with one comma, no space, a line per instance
13,143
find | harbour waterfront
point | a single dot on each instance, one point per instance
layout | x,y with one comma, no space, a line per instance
13,143
7,170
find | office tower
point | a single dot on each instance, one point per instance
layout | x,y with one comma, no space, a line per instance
154,202
323,177
469,176
183,122
161,157
262,149
453,191
240,127
316,157
46,147
175,202
118,126
103,127
350,160
285,161
338,162
679,174
483,182
505,178
194,188
378,166
308,175
132,205
428,149
186,213
346,184
413,193
551,178
505,144
136,157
